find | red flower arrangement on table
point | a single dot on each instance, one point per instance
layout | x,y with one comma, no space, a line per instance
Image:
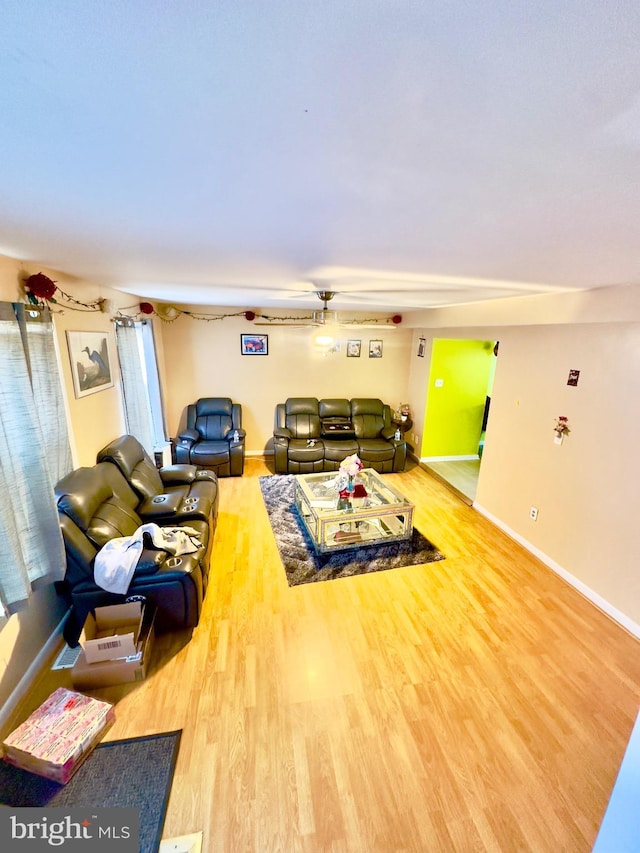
562,426
345,481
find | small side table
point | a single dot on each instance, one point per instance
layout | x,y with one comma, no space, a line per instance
404,426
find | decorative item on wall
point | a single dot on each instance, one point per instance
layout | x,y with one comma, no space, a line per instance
353,349
375,349
421,348
574,375
90,362
561,428
254,344
39,287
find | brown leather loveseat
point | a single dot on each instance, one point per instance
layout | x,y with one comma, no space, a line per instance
106,501
316,435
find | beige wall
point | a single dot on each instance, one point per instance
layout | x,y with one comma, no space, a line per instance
203,359
586,489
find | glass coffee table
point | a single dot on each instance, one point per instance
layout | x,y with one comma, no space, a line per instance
335,523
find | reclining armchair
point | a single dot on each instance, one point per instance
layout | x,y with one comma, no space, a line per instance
170,494
213,438
96,505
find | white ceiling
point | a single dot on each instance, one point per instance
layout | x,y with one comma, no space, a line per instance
404,153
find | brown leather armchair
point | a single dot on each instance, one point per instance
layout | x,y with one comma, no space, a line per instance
213,438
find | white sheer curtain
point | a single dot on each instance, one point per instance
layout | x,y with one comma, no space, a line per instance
34,454
137,408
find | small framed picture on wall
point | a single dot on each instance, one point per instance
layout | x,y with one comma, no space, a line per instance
375,349
353,349
254,344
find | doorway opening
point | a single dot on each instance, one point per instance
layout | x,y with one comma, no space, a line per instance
457,411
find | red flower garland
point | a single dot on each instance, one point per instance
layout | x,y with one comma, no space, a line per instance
40,285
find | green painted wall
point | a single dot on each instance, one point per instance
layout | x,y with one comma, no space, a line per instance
454,411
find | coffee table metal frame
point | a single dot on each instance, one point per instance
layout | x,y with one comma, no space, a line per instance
333,524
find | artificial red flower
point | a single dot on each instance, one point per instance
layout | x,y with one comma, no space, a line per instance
40,285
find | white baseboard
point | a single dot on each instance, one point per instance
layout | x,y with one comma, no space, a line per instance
258,453
470,458
594,597
24,685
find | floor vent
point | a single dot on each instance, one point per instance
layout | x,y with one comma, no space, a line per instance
67,658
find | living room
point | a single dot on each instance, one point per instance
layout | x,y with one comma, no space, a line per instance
581,498
468,172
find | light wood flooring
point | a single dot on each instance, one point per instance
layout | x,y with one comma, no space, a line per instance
461,476
474,704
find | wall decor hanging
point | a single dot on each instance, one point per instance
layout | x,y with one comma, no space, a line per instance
254,344
375,349
90,362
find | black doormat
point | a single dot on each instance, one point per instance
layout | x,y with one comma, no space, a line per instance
134,773
303,565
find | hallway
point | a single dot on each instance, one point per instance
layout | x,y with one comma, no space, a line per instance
460,476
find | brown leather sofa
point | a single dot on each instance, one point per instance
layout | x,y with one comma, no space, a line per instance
97,504
316,435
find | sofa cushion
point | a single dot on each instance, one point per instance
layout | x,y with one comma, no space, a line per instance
374,450
214,419
367,415
301,451
335,450
131,458
88,498
335,407
210,453
302,418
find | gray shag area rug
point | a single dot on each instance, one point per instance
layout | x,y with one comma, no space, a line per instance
303,565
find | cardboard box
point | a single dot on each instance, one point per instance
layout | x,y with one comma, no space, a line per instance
136,636
112,632
59,735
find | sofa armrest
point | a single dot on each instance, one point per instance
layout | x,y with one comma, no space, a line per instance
388,432
178,475
189,435
149,562
282,432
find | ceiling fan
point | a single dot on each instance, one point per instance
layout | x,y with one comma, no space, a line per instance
324,317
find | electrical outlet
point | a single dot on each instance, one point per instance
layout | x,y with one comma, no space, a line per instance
533,513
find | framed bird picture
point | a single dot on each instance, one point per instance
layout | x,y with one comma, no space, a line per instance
90,362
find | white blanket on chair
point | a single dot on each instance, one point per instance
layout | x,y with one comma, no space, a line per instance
116,561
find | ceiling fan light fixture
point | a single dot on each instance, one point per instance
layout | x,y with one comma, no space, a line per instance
325,318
